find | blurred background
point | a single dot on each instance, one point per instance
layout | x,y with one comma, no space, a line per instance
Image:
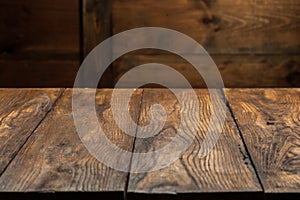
254,43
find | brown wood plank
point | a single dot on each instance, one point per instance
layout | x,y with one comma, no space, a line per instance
39,27
97,26
225,169
21,110
236,70
38,73
55,159
221,26
96,23
270,125
39,43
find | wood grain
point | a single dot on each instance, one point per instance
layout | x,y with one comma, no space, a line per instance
270,124
21,110
243,37
221,26
39,27
39,43
55,159
236,70
38,73
96,23
97,26
226,168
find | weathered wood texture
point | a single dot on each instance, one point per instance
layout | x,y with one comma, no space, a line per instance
221,26
42,43
39,37
45,154
21,111
245,38
96,23
269,121
55,159
236,70
226,168
97,26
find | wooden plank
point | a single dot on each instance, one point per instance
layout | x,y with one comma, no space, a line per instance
39,27
21,110
97,26
96,23
39,43
225,169
221,26
55,159
38,73
236,70
270,125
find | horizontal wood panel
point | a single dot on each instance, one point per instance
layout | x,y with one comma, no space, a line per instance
21,110
236,70
269,121
39,26
39,43
226,168
55,159
221,26
38,73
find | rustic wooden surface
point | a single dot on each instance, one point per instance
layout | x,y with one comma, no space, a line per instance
257,152
43,43
54,158
20,113
97,26
236,70
243,37
269,120
36,27
97,23
221,26
38,73
39,41
225,169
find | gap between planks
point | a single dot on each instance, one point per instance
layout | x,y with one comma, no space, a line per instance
235,122
243,140
238,134
133,146
38,124
132,149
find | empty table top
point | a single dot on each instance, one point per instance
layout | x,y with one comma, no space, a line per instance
257,152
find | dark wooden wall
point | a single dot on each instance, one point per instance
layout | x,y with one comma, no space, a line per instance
39,42
254,43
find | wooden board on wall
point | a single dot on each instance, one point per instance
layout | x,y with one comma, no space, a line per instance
236,70
33,36
254,43
39,27
221,26
245,38
38,73
97,26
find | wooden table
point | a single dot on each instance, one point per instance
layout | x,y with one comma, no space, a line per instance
257,154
